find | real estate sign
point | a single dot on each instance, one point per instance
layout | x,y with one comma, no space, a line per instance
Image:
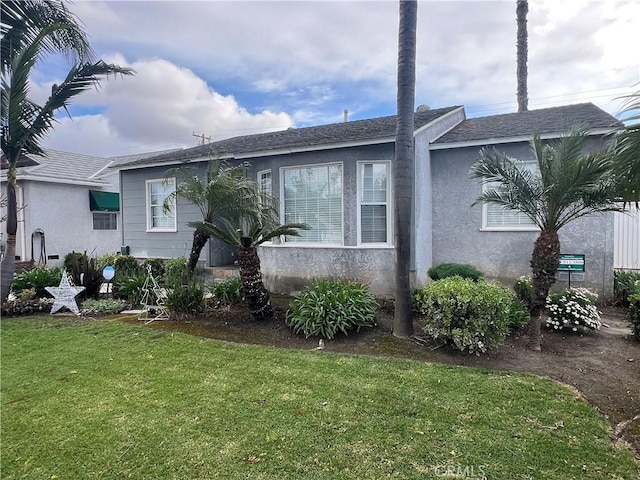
571,263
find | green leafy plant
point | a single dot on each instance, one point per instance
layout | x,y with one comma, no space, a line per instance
186,299
84,271
26,302
634,314
573,308
524,289
227,292
37,279
445,270
127,266
327,307
625,284
102,306
157,267
175,272
130,289
470,316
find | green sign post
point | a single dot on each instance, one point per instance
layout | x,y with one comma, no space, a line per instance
571,263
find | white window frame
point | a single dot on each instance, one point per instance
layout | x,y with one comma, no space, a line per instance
112,215
526,224
283,212
268,191
388,202
171,184
261,175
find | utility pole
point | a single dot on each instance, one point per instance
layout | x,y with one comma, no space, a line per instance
201,138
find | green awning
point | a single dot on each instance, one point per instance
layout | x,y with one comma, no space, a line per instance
104,201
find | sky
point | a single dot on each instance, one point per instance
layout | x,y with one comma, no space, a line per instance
217,69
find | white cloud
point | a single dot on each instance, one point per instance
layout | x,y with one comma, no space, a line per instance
231,68
162,104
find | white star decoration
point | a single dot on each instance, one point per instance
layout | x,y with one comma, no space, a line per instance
65,294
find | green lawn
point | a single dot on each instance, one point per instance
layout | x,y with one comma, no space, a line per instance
111,400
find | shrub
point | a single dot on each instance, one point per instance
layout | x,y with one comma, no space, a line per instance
157,267
186,299
130,289
634,314
105,305
227,292
127,266
36,279
446,270
471,316
625,284
84,271
175,272
573,308
106,259
327,307
524,289
518,314
26,303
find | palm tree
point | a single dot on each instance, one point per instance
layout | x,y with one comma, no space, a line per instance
222,193
626,152
522,47
24,123
570,185
404,166
246,239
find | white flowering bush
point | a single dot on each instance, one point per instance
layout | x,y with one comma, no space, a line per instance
573,308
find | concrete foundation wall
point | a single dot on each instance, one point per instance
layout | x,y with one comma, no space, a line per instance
288,270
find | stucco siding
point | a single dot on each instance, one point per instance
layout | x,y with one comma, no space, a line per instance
70,229
287,270
505,255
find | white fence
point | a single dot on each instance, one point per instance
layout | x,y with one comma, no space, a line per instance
626,249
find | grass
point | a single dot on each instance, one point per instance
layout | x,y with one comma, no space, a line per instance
110,400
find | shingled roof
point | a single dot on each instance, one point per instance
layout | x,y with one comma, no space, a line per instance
296,138
554,120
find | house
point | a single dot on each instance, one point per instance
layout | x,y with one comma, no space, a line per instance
66,202
338,179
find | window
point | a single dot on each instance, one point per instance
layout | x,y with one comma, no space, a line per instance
157,192
264,182
105,221
313,195
496,217
373,203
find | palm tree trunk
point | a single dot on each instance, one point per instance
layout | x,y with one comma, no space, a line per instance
200,239
522,53
8,267
9,259
255,293
404,166
544,264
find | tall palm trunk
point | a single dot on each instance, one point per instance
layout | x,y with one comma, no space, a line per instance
522,54
544,264
200,238
255,293
404,166
9,260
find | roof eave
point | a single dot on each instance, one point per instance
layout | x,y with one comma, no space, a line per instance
513,139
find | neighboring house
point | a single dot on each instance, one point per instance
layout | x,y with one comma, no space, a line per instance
66,202
338,179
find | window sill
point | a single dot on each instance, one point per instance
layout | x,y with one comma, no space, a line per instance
323,245
510,229
162,230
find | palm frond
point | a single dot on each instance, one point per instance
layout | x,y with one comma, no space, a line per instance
23,20
570,184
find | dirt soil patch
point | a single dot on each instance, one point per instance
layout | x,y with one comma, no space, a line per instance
603,365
